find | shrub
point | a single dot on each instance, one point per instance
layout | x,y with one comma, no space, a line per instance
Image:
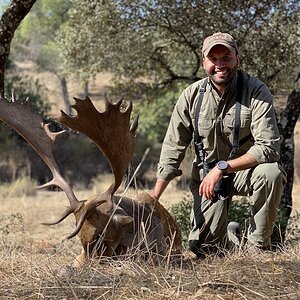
12,224
181,212
238,211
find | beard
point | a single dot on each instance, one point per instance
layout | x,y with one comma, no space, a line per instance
223,76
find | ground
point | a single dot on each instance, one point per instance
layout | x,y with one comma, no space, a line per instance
36,263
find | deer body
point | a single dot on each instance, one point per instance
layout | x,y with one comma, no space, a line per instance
106,224
135,223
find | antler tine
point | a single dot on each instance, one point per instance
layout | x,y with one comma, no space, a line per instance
102,198
13,96
66,213
111,132
134,124
31,126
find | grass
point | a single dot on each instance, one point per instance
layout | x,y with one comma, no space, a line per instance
45,273
35,263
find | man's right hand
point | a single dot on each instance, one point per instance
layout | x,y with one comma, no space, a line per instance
159,188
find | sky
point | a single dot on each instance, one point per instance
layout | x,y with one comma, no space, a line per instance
3,3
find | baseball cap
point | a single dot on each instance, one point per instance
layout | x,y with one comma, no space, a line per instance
218,38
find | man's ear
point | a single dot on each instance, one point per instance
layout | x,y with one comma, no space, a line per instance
203,58
122,219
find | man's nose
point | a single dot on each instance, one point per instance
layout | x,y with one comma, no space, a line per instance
220,63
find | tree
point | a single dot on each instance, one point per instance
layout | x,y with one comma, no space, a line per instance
286,121
9,22
150,44
159,40
36,39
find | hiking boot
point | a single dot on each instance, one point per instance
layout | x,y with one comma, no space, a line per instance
234,234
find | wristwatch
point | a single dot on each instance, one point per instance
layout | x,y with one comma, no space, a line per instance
222,165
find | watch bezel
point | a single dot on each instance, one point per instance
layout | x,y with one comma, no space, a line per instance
222,165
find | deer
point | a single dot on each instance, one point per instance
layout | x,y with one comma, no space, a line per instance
106,224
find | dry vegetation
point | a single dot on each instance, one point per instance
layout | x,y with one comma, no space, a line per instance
35,263
35,260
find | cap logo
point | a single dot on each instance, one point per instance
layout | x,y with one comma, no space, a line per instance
219,36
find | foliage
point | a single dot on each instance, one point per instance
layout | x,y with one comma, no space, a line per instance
35,40
15,153
159,40
39,28
181,212
238,212
11,224
26,87
75,152
152,111
9,22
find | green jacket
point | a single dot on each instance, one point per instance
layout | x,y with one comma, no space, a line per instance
216,124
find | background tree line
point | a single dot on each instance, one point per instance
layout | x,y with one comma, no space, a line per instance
152,50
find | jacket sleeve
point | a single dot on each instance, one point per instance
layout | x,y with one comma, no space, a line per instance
177,139
264,127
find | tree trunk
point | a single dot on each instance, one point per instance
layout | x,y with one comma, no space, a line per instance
9,22
286,123
86,88
64,88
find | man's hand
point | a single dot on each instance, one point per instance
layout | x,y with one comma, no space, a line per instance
243,162
208,183
159,188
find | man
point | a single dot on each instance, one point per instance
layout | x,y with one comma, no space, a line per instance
237,146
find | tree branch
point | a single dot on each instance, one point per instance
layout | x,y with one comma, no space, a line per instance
9,22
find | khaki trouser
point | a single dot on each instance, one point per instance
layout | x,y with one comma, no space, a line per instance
264,184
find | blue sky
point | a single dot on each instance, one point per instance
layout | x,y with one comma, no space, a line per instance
3,3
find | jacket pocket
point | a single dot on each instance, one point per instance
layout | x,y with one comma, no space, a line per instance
205,126
229,122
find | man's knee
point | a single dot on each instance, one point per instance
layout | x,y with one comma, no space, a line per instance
271,173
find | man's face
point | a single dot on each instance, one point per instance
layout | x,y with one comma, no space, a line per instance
220,65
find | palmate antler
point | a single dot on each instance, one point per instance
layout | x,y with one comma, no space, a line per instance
109,130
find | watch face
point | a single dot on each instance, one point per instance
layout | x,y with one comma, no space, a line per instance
222,165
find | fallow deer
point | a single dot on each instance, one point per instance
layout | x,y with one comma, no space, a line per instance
105,223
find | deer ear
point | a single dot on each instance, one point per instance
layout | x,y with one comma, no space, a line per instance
122,220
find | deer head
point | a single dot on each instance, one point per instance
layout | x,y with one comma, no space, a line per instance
110,130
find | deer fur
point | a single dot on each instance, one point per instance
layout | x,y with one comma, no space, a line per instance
135,223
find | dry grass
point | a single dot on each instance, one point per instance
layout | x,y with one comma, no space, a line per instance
35,263
28,273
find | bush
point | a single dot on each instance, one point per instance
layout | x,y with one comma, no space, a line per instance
181,212
11,224
155,114
238,211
